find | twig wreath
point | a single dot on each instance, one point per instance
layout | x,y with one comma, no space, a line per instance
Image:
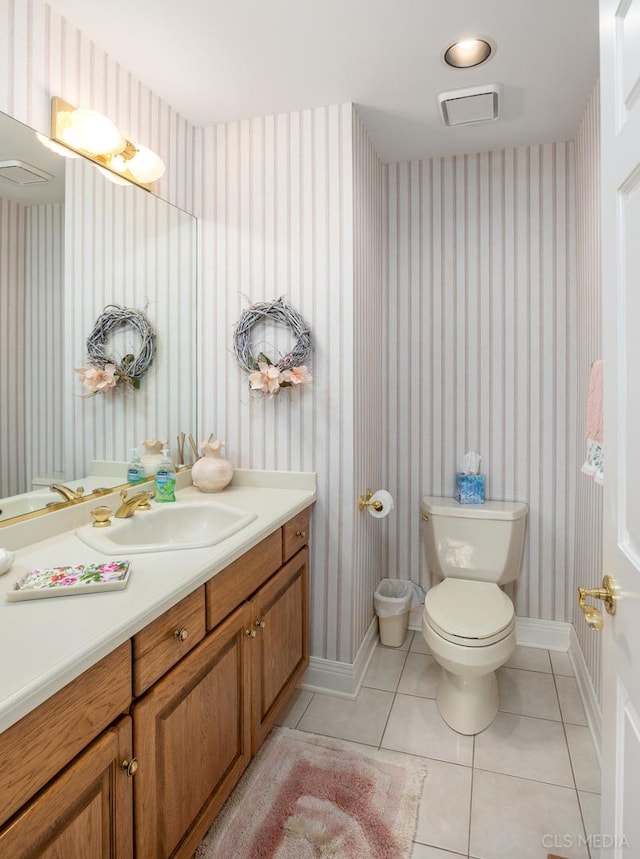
267,376
104,371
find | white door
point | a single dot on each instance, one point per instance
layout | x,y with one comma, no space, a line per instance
620,102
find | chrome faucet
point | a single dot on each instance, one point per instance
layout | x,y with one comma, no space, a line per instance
131,504
67,493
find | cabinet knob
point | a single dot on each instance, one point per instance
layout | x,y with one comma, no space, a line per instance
181,634
130,767
250,633
302,534
260,624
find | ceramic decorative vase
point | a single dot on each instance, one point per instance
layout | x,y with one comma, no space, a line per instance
152,456
212,472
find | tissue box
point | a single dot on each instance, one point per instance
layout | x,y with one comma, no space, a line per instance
470,488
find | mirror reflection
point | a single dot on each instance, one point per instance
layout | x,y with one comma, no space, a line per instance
70,245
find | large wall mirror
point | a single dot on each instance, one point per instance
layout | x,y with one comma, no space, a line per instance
71,243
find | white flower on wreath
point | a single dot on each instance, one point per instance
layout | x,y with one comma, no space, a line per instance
268,378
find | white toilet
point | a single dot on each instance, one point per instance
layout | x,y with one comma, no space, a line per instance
468,622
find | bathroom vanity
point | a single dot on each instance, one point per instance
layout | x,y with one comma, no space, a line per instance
177,681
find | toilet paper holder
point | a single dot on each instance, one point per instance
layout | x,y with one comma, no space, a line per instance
365,501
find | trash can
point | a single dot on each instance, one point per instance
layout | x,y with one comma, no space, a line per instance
392,600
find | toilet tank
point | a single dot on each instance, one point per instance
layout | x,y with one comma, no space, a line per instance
482,542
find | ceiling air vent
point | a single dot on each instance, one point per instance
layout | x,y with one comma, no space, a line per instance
21,173
474,104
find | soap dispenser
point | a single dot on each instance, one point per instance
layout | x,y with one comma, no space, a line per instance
135,472
166,478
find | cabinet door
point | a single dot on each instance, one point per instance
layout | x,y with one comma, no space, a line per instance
84,813
192,739
280,650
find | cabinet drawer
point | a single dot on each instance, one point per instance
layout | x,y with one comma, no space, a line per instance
239,580
295,534
53,734
164,642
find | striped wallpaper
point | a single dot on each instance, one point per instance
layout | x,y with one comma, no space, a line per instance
588,494
276,219
482,342
370,444
134,250
12,349
45,416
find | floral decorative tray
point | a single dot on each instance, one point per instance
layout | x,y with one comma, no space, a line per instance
79,579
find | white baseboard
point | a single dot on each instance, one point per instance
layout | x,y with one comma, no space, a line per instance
343,679
587,692
548,634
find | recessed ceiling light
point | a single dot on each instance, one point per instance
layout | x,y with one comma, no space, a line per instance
467,53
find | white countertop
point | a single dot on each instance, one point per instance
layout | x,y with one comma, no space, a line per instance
46,643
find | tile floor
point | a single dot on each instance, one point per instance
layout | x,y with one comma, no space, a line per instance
526,786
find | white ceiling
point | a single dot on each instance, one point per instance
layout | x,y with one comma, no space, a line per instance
215,61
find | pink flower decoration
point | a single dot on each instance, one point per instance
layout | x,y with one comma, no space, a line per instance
97,381
266,378
297,375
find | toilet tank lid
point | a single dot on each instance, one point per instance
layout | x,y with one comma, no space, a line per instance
489,510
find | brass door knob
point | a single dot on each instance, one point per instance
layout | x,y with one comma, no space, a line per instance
130,767
181,634
593,615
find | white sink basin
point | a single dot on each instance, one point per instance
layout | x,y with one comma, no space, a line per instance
167,527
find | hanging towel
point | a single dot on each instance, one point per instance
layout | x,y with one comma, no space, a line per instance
594,463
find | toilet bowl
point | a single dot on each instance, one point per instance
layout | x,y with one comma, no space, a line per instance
468,622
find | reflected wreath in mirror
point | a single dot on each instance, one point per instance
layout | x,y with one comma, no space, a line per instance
267,376
105,371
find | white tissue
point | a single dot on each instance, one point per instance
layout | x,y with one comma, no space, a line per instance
470,463
385,499
6,561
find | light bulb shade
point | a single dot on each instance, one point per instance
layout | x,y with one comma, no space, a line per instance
466,53
95,137
145,165
92,132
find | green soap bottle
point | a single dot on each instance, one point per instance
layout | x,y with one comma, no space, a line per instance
166,478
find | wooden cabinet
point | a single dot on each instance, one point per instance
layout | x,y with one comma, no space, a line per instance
192,737
192,696
85,813
280,649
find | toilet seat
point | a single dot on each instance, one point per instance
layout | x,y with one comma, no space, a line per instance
474,614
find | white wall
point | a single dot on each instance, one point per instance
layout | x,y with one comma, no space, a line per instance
482,340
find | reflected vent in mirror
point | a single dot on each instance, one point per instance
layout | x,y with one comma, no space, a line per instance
473,104
21,173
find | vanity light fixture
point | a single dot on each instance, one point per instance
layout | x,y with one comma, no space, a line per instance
94,135
466,53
